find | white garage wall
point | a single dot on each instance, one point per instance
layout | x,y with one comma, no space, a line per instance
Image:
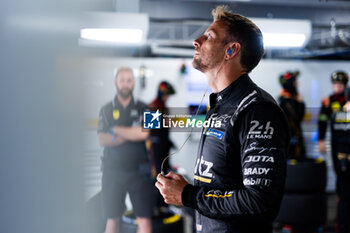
314,81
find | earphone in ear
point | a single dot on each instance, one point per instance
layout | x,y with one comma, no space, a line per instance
229,51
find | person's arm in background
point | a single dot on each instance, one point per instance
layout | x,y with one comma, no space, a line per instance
131,133
107,137
347,105
282,104
323,118
301,107
135,133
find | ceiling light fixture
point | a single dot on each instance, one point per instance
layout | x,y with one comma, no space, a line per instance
114,28
284,39
284,33
115,35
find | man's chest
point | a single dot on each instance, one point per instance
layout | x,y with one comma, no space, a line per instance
124,116
217,156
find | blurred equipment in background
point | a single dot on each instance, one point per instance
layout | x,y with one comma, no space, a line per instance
304,204
143,77
168,221
293,106
335,110
160,142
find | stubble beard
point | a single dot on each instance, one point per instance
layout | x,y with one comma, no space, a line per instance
198,64
124,93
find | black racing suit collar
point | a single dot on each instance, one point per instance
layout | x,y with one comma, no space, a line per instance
231,91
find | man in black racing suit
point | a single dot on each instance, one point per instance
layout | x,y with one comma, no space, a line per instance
336,111
240,169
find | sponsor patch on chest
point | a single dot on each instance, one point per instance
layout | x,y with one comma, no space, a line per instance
216,133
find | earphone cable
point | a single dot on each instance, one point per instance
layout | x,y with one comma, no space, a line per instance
188,137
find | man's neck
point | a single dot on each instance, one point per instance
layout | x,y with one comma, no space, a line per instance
124,101
224,78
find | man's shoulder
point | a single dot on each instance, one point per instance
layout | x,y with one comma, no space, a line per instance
257,96
254,101
326,101
265,96
265,109
140,104
260,102
107,106
253,91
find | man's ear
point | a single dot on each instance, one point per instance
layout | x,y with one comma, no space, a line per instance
236,47
233,50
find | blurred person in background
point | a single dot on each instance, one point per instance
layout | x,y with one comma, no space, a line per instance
120,133
335,110
293,106
160,143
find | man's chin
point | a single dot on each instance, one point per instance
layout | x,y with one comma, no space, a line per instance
125,95
197,65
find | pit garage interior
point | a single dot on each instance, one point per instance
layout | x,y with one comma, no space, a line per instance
55,79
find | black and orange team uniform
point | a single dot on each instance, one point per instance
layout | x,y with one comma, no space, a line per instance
333,110
161,143
294,110
160,139
241,165
121,164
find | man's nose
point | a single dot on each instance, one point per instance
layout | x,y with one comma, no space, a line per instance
197,42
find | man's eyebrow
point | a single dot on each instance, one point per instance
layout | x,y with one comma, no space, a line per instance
211,30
